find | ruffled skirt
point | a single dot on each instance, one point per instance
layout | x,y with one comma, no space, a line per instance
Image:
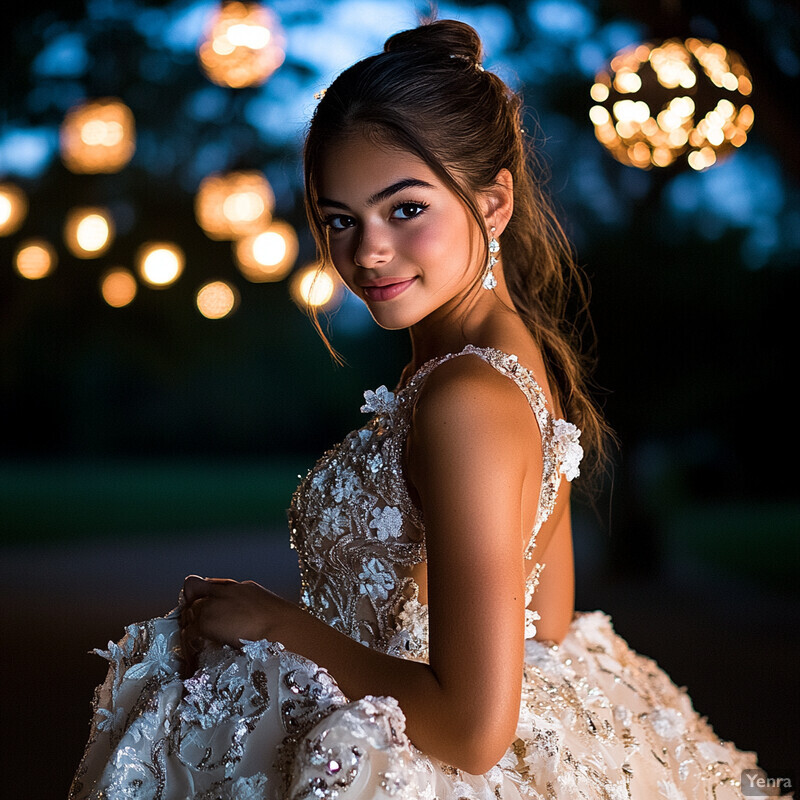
597,720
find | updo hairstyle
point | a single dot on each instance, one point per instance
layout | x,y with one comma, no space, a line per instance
428,94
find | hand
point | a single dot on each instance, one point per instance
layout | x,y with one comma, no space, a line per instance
225,611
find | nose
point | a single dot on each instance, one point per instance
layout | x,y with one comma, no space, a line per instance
374,248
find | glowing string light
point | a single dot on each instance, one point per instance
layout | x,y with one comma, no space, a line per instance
269,255
316,288
35,259
244,45
13,208
118,287
88,232
160,263
98,136
217,299
234,204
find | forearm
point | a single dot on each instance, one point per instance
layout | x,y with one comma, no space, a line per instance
441,720
461,708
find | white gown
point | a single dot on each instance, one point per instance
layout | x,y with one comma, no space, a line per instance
597,720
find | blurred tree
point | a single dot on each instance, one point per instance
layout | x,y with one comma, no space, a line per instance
692,273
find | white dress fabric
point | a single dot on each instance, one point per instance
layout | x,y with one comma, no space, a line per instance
597,720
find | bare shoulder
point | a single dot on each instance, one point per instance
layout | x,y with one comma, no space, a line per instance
468,384
467,396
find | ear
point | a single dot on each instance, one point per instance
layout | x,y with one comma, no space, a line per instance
497,202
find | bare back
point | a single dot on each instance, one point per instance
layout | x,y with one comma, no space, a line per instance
543,498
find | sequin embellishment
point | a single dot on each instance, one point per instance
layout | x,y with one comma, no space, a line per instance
357,532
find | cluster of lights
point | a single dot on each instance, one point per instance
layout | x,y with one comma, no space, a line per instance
98,136
658,103
243,46
238,206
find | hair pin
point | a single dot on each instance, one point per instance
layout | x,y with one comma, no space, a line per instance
469,61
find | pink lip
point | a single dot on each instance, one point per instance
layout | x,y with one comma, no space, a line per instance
386,288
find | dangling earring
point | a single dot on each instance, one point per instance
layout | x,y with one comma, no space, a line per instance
489,280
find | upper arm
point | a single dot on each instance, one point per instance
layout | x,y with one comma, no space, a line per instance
471,447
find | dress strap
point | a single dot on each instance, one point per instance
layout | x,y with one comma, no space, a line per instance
507,363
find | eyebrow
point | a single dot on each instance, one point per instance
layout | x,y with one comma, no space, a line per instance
383,194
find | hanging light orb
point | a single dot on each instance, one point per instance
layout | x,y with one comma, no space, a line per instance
217,299
659,103
160,263
234,204
269,255
317,288
243,46
88,232
35,259
13,208
118,287
98,136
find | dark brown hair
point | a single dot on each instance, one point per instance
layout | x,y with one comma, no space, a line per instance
427,94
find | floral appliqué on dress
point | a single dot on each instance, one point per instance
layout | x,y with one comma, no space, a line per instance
597,721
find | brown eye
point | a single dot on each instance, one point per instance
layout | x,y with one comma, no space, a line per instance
339,222
408,210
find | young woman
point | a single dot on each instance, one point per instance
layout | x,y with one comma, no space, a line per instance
432,655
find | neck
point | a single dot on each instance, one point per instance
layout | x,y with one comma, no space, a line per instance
475,319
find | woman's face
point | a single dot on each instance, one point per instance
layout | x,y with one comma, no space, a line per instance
400,239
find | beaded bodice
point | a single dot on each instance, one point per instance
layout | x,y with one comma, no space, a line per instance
358,534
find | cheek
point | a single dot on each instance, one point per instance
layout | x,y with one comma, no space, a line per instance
445,247
434,244
341,257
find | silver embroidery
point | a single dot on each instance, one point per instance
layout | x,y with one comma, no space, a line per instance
357,532
597,721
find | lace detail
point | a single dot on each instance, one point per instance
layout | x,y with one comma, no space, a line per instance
357,532
567,447
597,721
364,738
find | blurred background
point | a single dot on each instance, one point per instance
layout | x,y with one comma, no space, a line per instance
162,388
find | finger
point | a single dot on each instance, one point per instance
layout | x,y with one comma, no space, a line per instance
193,587
192,633
187,617
192,615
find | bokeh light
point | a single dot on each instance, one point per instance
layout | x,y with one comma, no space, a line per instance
659,103
35,259
13,208
243,46
88,232
98,136
118,287
234,204
217,299
269,255
315,287
160,263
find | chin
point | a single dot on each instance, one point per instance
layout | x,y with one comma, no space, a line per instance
399,326
392,321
